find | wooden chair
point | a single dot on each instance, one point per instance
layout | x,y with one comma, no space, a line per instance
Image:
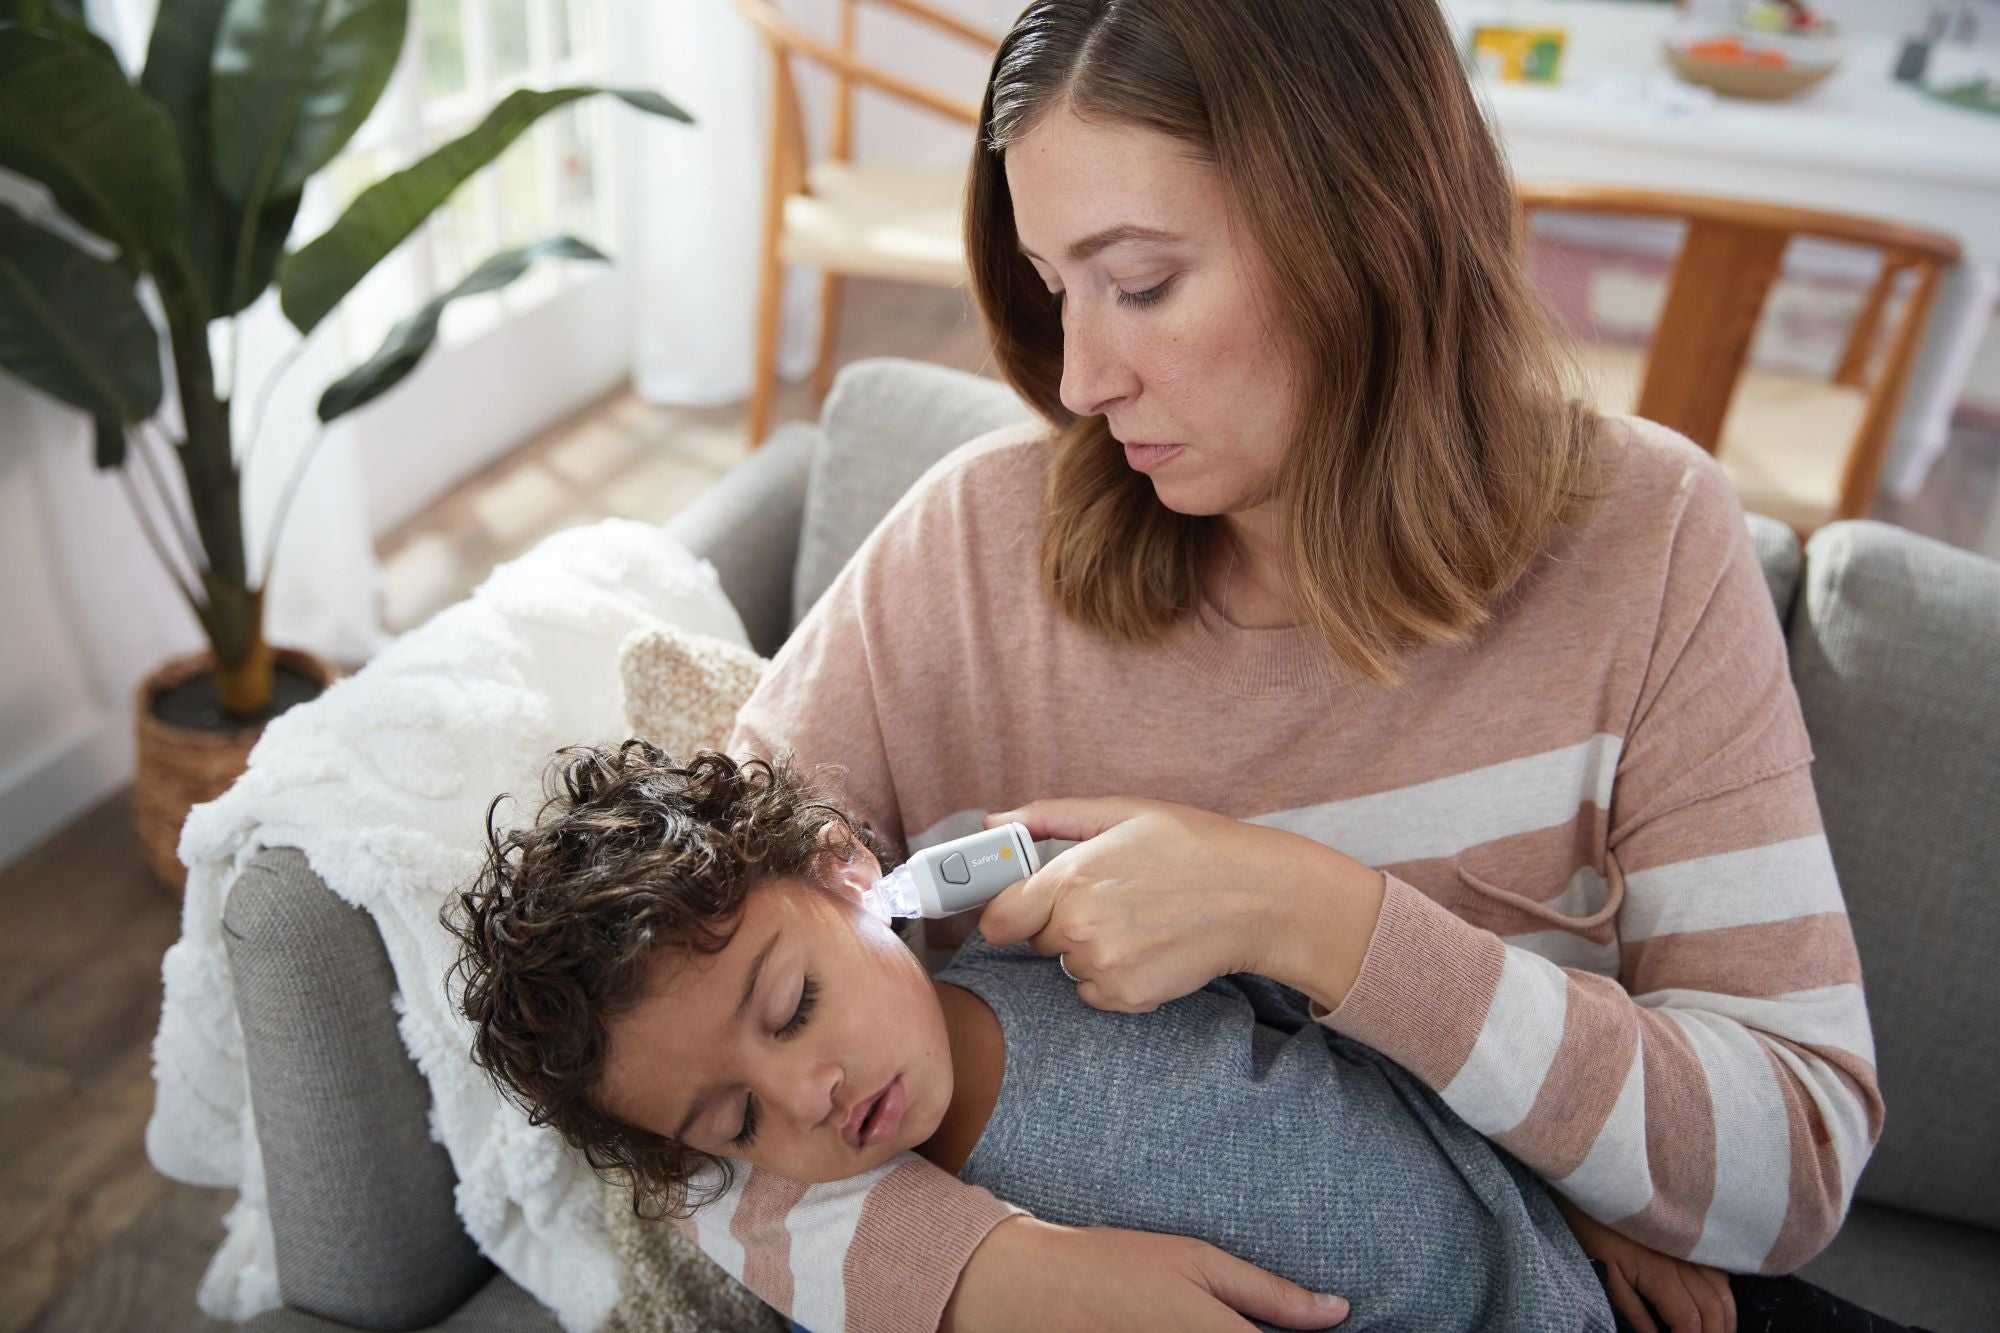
1801,450
881,222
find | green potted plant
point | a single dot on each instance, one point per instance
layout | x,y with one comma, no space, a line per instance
189,181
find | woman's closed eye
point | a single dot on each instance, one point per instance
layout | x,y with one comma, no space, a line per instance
1125,298
808,997
1147,297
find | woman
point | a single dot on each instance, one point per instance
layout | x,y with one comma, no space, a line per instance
1421,689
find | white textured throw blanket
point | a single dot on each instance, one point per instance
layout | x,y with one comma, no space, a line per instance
383,783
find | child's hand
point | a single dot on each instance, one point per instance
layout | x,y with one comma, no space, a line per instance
1688,1296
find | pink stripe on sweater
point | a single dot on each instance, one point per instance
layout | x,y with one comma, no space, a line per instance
1772,958
1680,1140
1576,1098
759,1227
914,1237
1817,1197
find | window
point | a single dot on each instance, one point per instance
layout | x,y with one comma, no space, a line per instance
460,58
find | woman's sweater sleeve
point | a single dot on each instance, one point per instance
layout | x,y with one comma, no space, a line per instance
1718,1099
880,1251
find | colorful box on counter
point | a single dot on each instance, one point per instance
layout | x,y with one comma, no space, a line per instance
1533,55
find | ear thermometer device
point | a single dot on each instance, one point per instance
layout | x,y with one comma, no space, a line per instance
955,876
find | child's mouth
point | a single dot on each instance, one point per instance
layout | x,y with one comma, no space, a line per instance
882,1116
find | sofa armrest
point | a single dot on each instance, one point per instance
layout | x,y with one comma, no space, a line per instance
747,525
360,1197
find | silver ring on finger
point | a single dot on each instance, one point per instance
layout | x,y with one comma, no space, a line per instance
1062,961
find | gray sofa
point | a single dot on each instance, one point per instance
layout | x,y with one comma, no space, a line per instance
1893,641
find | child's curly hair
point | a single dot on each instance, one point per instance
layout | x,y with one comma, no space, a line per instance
629,855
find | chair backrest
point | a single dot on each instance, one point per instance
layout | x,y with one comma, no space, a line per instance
1728,261
784,39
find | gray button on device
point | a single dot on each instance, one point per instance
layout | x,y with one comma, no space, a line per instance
955,870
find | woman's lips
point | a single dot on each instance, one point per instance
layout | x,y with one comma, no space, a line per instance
877,1118
1146,457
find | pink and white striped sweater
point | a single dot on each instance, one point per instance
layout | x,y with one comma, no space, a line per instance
1613,940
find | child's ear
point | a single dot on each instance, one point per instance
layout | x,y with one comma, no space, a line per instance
850,866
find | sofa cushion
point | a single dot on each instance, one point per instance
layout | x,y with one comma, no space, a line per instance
1916,1270
1778,551
886,421
747,526
1893,647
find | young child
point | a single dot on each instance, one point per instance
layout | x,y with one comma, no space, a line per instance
673,968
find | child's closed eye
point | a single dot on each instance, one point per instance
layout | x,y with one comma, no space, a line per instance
808,997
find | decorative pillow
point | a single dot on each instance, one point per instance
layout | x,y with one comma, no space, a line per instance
683,690
667,1285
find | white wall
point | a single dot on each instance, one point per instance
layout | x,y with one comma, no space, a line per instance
44,687
86,612
470,404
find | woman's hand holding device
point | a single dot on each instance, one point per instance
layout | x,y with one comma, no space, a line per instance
1033,1274
1158,899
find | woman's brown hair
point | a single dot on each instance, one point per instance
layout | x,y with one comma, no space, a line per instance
630,856
1435,447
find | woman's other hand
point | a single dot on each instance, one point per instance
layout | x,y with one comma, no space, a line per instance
1157,899
1033,1274
1692,1298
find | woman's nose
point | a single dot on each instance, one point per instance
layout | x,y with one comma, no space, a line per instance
1094,375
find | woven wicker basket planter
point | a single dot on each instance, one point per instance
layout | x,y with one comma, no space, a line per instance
182,767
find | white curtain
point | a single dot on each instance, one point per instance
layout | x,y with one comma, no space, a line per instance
693,204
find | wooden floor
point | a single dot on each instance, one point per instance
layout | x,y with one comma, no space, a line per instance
92,1240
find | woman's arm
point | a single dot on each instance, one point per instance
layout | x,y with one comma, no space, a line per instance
1718,1099
1031,1274
882,1250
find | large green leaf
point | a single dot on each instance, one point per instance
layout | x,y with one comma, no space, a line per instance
177,61
409,340
104,149
292,81
326,269
71,325
177,77
59,18
248,279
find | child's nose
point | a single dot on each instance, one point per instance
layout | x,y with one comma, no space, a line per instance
809,1093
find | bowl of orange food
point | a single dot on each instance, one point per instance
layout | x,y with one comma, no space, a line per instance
1774,50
